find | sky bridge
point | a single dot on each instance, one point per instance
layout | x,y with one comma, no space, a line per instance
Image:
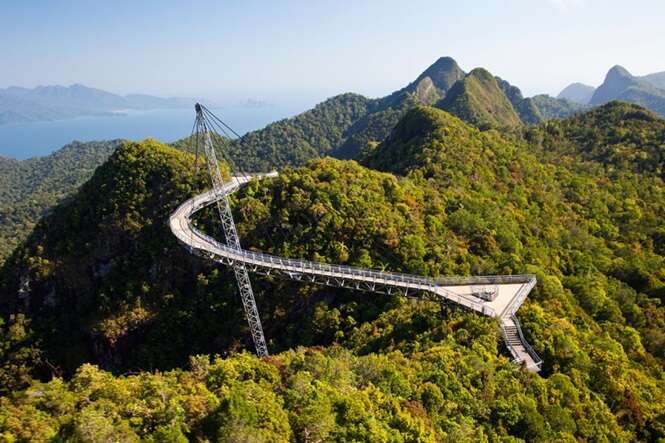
504,294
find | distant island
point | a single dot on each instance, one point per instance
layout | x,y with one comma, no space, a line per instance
47,103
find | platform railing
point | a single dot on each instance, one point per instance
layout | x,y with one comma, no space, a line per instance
519,298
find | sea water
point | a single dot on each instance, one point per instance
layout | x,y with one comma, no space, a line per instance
34,139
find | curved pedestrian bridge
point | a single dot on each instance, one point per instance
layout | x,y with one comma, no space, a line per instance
495,296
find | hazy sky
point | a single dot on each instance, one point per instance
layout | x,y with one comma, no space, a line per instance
314,49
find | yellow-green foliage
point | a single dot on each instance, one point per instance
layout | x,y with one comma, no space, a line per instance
479,100
446,393
618,135
295,140
110,285
29,188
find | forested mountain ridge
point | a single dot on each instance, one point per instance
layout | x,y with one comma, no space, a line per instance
526,108
618,135
343,125
657,79
557,108
295,140
29,188
348,125
478,99
118,291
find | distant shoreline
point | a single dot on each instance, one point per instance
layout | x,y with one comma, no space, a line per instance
25,140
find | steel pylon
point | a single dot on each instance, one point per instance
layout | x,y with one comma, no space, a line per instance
204,134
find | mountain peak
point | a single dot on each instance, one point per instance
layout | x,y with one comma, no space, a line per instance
577,92
618,72
617,80
444,73
444,62
621,85
481,73
479,100
430,86
407,146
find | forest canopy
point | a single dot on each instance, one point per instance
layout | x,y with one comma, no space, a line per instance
111,291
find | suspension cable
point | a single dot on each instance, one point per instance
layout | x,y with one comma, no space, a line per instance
214,125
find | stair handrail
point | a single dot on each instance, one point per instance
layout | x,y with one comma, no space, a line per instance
529,349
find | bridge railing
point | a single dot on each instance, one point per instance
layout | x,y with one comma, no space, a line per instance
368,273
485,279
386,278
344,272
203,200
334,270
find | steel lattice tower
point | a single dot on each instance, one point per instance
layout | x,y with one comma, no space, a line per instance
204,135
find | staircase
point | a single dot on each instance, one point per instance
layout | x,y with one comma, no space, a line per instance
520,349
512,337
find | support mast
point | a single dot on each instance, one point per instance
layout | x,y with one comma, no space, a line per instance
231,234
